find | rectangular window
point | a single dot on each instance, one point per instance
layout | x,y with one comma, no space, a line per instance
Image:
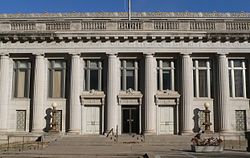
237,78
240,117
202,78
93,75
129,74
57,77
22,70
58,117
21,120
165,75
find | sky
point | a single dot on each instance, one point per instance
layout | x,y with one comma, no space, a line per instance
54,6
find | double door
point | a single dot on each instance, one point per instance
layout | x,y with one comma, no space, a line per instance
130,119
166,120
93,119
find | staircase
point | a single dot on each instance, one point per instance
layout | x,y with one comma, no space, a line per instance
124,146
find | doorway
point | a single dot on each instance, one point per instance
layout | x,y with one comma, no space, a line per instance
130,119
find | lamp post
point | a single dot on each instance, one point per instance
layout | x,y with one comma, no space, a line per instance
207,122
54,122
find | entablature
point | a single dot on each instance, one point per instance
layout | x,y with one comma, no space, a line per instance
103,27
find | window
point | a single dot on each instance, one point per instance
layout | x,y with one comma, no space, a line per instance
165,75
22,69
21,120
202,78
57,76
129,74
93,75
240,117
237,78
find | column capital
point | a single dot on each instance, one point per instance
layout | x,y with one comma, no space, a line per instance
186,55
38,54
149,54
112,54
222,52
75,53
4,54
186,52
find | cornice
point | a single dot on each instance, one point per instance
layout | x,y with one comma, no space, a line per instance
125,14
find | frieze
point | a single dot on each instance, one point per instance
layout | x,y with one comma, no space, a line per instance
160,46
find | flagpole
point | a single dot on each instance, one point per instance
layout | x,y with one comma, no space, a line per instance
129,9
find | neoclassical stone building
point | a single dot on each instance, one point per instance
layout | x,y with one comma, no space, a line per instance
149,75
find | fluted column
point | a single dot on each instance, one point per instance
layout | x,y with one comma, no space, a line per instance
223,83
39,94
75,106
150,91
4,90
112,92
187,94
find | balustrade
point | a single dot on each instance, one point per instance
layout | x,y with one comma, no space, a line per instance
166,25
238,26
130,25
202,25
93,25
58,26
23,26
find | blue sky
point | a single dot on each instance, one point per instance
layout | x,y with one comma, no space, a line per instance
41,6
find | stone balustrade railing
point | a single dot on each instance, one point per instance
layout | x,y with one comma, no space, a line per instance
238,26
58,26
23,26
119,25
166,25
93,25
129,25
203,25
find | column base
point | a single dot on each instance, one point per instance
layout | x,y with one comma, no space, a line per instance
73,132
2,130
149,132
37,131
187,132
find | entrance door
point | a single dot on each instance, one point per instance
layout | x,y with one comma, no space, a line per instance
93,120
130,119
166,120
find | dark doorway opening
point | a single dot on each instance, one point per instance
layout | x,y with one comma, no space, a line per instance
130,119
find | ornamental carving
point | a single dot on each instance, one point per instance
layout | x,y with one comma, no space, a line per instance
92,97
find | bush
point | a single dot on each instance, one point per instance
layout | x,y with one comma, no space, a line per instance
211,141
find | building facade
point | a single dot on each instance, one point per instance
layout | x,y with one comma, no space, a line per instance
150,75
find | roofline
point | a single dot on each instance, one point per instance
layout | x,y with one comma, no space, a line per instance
125,14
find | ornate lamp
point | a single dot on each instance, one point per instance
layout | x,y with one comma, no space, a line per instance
54,122
207,122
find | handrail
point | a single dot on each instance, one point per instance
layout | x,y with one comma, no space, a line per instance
20,145
116,134
110,131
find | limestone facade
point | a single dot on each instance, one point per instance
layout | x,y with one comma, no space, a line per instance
149,75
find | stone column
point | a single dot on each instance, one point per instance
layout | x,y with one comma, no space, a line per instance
4,90
38,121
112,92
223,86
75,90
187,94
150,91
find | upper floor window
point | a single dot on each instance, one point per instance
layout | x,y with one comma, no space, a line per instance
129,74
202,78
22,70
57,77
237,78
93,75
165,75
